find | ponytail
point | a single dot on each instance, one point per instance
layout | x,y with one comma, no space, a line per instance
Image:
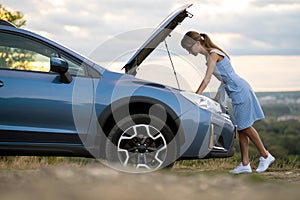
192,37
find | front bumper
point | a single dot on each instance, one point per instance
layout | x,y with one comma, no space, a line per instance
205,135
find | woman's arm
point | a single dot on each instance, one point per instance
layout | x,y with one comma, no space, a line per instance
220,96
211,64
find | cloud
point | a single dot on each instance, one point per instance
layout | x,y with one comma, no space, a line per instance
241,27
262,29
267,3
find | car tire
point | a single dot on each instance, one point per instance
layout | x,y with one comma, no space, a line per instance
141,143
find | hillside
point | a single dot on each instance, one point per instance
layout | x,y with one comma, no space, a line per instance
280,106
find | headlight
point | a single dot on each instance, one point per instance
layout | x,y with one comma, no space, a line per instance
202,101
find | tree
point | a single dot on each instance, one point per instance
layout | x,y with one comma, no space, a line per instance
17,18
11,57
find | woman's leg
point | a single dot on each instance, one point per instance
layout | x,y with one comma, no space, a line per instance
251,133
244,144
266,158
244,166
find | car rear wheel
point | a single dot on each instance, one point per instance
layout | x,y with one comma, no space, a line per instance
141,143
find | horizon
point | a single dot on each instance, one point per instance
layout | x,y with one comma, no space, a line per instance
286,91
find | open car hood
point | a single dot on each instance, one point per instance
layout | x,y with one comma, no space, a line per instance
156,37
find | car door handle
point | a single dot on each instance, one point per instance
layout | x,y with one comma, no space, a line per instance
1,84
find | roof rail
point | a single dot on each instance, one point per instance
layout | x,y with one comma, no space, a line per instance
6,23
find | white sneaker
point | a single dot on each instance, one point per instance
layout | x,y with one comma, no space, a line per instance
264,163
241,169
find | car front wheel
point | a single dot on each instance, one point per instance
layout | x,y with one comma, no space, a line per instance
141,143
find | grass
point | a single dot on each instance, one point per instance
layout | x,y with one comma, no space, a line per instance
290,162
218,164
35,162
211,164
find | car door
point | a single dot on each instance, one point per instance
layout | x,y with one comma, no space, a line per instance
34,105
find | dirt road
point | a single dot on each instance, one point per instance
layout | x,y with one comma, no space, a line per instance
99,182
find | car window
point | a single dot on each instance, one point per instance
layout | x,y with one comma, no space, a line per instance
74,67
22,53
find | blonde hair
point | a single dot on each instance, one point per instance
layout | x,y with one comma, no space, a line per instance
191,37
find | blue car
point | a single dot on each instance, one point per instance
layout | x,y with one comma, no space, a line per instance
55,102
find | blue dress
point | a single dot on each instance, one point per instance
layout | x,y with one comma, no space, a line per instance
246,108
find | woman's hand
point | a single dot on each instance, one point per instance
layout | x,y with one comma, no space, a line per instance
217,97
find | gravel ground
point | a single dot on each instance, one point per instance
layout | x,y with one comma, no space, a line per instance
99,182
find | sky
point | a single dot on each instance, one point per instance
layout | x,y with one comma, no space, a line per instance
262,37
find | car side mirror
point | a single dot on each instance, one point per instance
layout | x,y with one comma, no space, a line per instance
60,66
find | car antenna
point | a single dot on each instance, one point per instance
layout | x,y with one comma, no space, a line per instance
172,64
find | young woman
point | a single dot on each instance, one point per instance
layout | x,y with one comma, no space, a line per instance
246,108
